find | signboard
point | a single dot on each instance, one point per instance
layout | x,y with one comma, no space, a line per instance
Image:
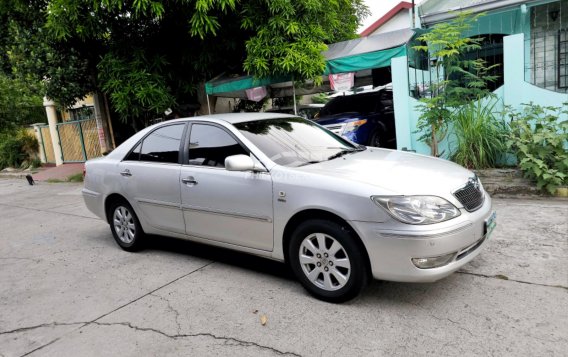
342,82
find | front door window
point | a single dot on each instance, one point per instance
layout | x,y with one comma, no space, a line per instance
210,146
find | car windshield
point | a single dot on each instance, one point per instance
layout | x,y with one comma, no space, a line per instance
294,141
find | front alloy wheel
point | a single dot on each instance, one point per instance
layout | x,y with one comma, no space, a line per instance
324,261
329,260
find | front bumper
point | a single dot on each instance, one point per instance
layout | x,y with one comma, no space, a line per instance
391,250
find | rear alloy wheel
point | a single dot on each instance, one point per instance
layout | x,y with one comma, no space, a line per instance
328,261
125,226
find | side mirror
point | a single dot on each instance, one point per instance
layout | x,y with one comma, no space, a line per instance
240,163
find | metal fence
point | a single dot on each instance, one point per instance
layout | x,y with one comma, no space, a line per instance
46,143
79,140
547,64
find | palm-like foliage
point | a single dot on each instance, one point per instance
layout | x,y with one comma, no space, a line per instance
480,135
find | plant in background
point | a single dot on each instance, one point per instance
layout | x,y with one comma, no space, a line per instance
248,106
460,79
540,140
480,135
281,102
18,148
320,98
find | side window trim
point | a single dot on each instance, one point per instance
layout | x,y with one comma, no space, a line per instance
141,143
185,161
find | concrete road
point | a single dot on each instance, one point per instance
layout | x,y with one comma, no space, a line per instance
66,289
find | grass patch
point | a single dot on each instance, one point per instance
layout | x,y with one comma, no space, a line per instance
72,178
75,178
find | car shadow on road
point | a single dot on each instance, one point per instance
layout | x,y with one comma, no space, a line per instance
411,295
221,255
378,292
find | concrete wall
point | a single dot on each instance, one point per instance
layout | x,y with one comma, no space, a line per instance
517,90
224,105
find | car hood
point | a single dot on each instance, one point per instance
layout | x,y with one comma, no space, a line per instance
339,118
396,171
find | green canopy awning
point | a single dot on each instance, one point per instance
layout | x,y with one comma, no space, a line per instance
227,85
377,59
364,53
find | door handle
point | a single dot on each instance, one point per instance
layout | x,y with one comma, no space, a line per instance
190,180
126,172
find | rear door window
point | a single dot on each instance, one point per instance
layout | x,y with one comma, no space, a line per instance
163,144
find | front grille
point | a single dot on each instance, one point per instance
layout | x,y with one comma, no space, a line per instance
470,196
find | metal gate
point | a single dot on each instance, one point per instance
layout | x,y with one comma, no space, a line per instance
79,140
46,143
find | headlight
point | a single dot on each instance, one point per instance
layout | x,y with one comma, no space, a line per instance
418,209
352,126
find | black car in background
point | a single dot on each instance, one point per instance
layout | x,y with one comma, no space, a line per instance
364,118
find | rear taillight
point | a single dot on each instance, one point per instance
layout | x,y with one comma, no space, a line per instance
84,171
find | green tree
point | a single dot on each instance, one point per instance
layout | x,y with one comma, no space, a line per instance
149,55
17,93
20,103
459,79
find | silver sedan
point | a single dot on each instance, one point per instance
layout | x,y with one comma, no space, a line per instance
284,188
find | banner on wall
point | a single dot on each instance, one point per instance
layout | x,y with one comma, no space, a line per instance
342,82
256,94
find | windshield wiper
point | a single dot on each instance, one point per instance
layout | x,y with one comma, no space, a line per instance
342,152
309,162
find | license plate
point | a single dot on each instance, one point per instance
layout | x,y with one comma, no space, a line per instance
490,224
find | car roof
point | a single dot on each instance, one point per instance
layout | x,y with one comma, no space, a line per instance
235,118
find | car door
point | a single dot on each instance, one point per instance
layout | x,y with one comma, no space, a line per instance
150,178
226,206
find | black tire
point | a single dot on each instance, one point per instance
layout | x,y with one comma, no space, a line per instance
336,290
376,139
130,223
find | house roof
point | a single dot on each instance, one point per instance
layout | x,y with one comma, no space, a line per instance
386,17
432,11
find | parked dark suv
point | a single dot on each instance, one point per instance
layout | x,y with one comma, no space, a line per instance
366,118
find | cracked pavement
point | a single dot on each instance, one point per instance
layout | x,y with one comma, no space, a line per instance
66,289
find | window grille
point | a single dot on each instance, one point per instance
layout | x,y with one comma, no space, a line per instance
563,59
546,54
